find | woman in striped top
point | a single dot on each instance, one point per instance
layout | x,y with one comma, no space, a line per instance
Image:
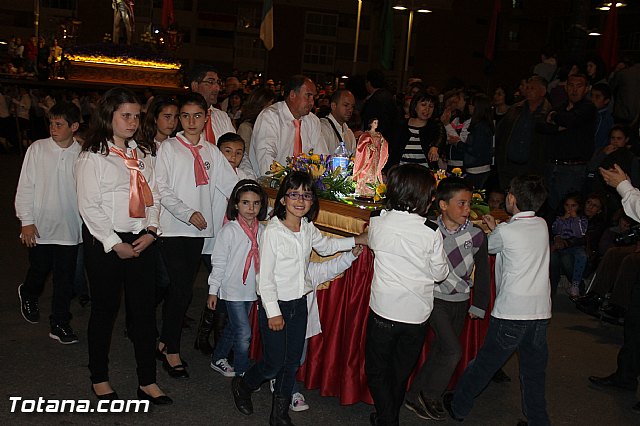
421,138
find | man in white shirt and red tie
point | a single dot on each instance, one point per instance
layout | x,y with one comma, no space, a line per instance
287,128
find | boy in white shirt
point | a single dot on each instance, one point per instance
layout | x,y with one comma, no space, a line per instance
522,307
47,206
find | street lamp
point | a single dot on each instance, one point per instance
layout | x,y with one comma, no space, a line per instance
355,47
412,6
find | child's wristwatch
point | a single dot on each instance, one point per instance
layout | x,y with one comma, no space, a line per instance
153,234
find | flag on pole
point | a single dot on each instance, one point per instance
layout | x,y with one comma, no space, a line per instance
386,26
167,13
609,44
266,27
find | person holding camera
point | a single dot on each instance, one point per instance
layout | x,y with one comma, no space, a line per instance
628,362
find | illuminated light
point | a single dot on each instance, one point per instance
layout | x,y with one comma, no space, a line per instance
399,7
346,77
127,62
424,11
156,31
594,33
3,42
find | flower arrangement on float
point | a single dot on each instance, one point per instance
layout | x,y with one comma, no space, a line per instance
331,184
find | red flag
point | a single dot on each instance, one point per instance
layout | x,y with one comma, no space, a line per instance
490,46
167,13
609,44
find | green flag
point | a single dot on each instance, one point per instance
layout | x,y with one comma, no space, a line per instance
386,32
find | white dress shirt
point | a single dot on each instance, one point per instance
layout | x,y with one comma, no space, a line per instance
320,272
630,199
230,252
220,123
284,258
46,195
273,134
331,139
410,257
103,195
180,196
521,247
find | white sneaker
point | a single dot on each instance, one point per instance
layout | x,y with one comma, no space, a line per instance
272,383
298,403
222,366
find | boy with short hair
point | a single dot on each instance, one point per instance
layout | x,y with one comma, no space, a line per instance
522,307
232,147
47,206
466,248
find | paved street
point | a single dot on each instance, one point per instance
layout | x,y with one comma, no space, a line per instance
33,365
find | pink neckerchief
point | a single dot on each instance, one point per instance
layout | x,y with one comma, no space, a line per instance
254,254
202,178
140,195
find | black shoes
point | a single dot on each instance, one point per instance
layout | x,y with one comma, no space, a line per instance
29,307
64,334
242,395
611,382
433,407
501,377
177,371
158,400
204,331
613,314
590,304
107,396
446,401
280,411
416,408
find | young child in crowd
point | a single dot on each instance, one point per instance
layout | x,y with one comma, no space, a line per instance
161,120
46,204
232,147
568,231
466,249
234,264
283,285
495,199
522,307
119,205
409,259
187,216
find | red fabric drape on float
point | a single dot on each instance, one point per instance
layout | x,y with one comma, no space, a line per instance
335,358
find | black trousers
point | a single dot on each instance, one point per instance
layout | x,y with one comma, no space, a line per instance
109,276
61,260
391,351
182,258
629,356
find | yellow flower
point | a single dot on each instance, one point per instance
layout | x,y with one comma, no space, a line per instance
315,158
457,171
276,167
381,189
316,170
376,198
477,196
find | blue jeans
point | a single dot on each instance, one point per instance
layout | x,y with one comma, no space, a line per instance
505,337
282,349
236,335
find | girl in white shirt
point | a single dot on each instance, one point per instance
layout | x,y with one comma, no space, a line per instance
234,264
283,285
191,171
409,259
119,205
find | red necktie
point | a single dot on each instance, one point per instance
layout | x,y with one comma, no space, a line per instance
202,178
209,135
140,195
297,139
